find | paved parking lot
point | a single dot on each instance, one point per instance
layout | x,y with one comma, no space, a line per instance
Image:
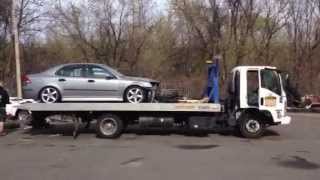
286,152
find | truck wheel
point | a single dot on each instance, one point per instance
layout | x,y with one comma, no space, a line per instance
251,127
38,121
109,126
22,115
24,118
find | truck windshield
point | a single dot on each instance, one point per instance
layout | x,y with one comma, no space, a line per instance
270,80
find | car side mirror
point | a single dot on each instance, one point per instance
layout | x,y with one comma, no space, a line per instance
110,77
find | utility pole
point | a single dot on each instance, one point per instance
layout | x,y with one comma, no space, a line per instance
16,49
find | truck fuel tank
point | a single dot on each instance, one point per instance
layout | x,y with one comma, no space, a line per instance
163,122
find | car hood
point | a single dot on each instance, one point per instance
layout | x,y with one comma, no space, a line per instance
131,78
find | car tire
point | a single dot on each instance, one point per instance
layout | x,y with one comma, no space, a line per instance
251,127
109,126
135,94
49,95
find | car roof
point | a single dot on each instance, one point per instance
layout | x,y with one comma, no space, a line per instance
253,68
54,69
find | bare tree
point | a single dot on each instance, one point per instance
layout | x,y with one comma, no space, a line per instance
304,31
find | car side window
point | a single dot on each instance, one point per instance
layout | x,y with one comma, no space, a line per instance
71,71
98,72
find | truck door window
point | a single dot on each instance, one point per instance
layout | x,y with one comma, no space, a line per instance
237,88
271,81
253,88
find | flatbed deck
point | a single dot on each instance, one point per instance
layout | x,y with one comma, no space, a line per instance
124,107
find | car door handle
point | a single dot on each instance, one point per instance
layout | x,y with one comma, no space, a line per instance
62,80
91,81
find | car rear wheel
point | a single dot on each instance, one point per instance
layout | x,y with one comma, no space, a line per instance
135,94
49,95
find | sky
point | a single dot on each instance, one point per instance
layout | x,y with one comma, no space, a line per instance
162,4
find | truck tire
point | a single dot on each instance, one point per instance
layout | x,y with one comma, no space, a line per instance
251,127
38,121
109,126
22,115
24,118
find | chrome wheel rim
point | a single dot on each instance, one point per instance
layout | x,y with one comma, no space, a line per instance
49,95
108,126
253,126
135,95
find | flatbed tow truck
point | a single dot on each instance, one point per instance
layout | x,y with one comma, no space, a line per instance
256,100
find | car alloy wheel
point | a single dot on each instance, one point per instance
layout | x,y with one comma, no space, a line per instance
135,95
49,95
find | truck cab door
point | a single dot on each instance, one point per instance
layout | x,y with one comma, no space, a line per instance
271,94
253,88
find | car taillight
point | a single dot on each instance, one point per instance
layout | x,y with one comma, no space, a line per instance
25,79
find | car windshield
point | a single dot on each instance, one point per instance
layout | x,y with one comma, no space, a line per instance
270,80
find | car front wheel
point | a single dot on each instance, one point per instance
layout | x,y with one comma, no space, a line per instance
49,95
135,94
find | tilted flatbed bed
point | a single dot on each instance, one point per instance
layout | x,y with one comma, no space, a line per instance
123,107
120,115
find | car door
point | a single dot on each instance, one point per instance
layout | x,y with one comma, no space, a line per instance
102,84
72,80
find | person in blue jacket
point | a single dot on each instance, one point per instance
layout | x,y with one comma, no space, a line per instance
212,89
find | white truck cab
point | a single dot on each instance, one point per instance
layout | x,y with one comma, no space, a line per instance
258,96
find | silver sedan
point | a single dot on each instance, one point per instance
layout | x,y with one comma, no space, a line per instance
87,82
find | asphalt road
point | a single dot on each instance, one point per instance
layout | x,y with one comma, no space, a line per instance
286,153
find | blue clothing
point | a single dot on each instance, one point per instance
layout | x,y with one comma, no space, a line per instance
212,89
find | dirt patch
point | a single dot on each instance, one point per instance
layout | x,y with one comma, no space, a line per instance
58,166
303,151
297,162
11,144
50,145
134,162
197,147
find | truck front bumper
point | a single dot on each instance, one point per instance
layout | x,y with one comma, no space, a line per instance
285,120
